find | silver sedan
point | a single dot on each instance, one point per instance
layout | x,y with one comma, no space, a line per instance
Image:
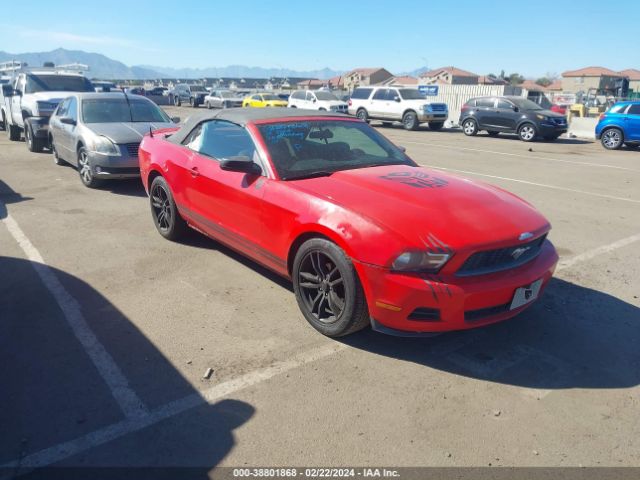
100,133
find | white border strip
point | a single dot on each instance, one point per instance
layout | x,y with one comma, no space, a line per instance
129,402
588,255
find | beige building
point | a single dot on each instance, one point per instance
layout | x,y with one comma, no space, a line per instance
449,76
634,79
365,76
575,81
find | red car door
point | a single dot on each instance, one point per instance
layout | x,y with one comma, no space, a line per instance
227,205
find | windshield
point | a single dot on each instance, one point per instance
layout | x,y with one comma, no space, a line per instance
321,147
269,97
524,104
57,83
411,94
117,110
322,95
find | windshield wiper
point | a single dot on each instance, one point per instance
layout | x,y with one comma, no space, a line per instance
319,173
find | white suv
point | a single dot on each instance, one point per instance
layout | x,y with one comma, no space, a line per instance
406,105
316,100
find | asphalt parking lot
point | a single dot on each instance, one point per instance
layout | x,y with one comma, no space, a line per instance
105,342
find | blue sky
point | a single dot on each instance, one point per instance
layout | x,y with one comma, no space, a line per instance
531,38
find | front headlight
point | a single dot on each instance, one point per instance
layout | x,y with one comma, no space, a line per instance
543,117
104,146
420,261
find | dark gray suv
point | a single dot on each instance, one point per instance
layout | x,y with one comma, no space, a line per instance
511,115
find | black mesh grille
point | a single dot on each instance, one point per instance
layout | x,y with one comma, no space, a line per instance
482,313
132,149
501,259
425,314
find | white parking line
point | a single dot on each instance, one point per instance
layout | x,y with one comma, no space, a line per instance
588,255
112,432
520,155
554,187
129,402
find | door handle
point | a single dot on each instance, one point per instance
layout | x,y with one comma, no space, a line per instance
194,172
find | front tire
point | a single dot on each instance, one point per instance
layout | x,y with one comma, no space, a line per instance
164,212
410,121
527,132
328,290
470,127
85,171
612,139
208,105
13,132
34,144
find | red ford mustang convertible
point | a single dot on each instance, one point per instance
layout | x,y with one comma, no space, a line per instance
365,234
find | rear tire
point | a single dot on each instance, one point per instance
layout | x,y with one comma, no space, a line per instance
13,132
410,121
527,132
470,127
362,115
3,122
328,290
164,212
612,138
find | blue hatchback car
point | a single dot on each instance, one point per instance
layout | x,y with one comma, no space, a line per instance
620,125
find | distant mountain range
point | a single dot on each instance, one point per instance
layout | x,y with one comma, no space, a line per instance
103,67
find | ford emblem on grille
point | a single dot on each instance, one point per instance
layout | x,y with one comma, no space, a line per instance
517,253
525,236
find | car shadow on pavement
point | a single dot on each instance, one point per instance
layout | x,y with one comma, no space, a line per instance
59,410
574,337
131,187
9,196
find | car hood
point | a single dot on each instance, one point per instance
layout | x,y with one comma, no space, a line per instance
51,97
126,132
417,203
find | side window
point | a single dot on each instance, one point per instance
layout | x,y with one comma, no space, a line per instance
62,108
392,93
504,105
485,102
381,94
256,98
72,108
634,109
221,140
361,93
310,97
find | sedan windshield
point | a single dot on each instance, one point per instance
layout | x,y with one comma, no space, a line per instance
524,104
411,94
320,147
322,95
57,83
117,110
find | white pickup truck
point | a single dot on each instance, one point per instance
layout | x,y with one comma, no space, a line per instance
27,102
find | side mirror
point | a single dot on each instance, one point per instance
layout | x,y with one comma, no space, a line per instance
175,119
314,100
396,99
402,149
241,164
67,121
516,109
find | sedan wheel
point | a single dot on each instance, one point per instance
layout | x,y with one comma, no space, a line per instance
612,139
327,289
165,214
470,127
84,170
527,132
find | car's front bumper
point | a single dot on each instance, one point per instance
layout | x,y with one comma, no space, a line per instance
453,303
114,167
433,117
549,129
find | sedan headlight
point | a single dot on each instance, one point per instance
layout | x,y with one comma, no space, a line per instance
420,261
104,146
543,117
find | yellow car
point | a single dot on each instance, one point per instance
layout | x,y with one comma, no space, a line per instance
263,100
